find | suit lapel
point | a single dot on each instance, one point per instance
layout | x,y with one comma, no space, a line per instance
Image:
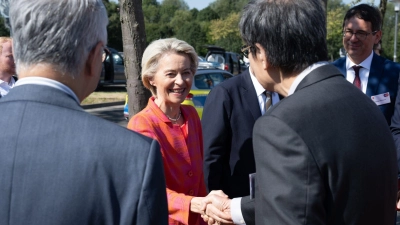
321,73
375,75
249,94
341,65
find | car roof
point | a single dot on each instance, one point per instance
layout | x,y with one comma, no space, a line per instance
205,71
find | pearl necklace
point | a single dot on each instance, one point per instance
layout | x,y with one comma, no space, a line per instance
177,118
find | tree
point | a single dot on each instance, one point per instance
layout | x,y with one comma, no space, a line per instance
192,33
382,8
134,43
114,25
388,33
334,31
4,31
335,14
225,32
207,14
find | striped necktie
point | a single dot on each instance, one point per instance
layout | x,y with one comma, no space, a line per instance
268,100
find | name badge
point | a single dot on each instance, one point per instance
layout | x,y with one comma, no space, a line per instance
381,99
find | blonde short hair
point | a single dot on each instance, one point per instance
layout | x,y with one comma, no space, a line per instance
159,48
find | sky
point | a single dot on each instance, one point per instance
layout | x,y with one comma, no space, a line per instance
376,2
201,4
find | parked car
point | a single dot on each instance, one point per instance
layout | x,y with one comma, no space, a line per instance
204,64
113,71
204,81
229,60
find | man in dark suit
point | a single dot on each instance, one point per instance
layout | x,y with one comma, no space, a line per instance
230,112
378,76
324,154
59,164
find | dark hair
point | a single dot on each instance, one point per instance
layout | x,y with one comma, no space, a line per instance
367,13
293,33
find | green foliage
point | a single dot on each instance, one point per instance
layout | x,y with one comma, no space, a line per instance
388,33
181,17
151,13
207,14
114,25
192,33
225,32
4,31
216,24
335,14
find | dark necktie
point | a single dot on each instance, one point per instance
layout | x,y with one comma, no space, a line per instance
357,81
268,101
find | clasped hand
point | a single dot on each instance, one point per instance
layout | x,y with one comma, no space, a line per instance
216,208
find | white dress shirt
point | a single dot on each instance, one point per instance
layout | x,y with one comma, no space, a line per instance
236,211
5,87
49,83
260,93
364,71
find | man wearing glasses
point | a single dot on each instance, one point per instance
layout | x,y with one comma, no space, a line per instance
229,114
375,76
324,154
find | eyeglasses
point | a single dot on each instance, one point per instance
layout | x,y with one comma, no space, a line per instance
245,50
359,35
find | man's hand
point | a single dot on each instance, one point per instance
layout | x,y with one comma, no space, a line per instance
218,208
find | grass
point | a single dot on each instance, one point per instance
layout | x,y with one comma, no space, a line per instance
106,94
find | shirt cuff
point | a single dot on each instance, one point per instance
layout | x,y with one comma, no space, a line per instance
236,211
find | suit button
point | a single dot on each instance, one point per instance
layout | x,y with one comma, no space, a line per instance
191,192
190,174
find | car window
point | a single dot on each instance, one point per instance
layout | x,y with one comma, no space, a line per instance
226,76
216,78
216,58
202,82
118,59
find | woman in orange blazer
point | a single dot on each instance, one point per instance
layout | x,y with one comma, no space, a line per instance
168,68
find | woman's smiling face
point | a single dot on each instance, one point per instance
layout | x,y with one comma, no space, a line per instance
173,78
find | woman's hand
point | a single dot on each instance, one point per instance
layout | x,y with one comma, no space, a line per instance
217,204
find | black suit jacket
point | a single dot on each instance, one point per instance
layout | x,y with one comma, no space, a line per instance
61,165
230,112
324,155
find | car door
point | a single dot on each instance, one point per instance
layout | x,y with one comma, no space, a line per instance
119,69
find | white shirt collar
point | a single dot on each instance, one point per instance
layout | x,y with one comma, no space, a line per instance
365,64
259,88
303,74
11,83
49,83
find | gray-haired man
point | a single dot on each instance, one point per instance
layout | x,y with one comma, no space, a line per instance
60,165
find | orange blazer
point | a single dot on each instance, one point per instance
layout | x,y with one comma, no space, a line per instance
182,157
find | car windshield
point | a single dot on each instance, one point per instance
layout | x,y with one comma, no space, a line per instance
216,58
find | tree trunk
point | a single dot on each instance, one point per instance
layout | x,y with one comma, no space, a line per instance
134,43
382,8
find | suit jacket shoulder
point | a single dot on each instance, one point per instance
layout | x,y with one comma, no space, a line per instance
75,165
315,138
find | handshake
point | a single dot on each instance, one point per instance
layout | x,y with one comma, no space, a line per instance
215,208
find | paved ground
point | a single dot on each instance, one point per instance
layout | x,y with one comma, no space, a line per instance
112,113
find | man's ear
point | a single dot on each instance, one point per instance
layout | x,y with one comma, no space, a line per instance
378,36
93,59
262,56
